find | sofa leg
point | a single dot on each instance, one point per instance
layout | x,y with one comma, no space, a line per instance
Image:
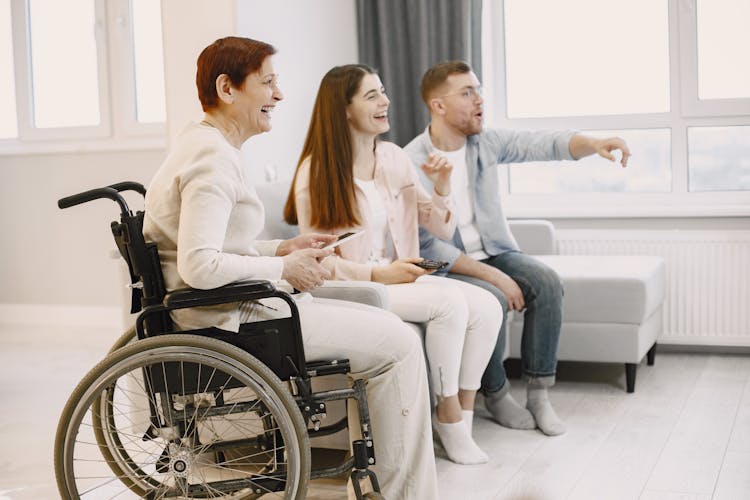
630,369
513,368
650,355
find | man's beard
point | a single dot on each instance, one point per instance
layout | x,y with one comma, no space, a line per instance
470,127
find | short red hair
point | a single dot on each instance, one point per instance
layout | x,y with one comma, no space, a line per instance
233,56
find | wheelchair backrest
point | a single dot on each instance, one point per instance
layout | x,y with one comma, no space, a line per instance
142,258
277,342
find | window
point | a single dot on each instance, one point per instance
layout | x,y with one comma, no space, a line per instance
63,96
563,64
649,172
8,126
665,75
149,61
723,42
719,158
94,80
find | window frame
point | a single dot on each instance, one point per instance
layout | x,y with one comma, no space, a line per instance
118,128
686,13
685,111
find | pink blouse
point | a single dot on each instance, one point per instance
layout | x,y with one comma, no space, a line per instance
407,206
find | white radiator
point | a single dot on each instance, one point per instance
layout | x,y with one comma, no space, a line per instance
708,278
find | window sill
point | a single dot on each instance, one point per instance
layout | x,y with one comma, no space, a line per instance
620,206
22,148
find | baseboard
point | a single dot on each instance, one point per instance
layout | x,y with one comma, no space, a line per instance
702,349
49,314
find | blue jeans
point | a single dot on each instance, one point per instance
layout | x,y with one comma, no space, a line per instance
542,292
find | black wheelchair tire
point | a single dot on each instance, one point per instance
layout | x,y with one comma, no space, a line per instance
90,394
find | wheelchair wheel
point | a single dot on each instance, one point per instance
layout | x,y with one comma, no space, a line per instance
181,416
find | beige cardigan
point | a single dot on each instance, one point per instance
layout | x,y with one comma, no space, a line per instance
407,206
203,213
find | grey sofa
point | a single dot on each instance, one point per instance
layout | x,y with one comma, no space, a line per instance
612,309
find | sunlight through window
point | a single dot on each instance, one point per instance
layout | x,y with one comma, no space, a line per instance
149,61
8,125
723,49
64,63
586,57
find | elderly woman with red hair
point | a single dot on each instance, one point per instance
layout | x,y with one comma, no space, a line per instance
204,214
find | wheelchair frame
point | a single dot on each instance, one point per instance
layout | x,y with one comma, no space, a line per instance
265,358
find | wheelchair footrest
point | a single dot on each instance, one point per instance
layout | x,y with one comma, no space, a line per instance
328,367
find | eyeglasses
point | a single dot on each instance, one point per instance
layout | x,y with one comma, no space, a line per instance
471,93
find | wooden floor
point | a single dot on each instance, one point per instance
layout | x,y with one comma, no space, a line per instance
683,434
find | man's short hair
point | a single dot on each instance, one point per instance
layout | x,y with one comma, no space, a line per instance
438,74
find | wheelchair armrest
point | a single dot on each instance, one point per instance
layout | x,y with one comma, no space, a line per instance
233,292
365,292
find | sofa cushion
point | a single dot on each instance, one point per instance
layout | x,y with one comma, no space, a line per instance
608,288
273,195
534,236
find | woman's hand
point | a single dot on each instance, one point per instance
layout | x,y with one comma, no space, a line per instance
399,271
302,268
310,240
438,170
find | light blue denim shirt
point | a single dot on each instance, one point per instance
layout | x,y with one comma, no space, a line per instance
483,152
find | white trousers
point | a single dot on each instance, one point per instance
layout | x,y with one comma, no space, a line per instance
388,354
462,324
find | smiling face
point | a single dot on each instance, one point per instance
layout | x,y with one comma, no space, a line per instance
257,98
368,111
462,103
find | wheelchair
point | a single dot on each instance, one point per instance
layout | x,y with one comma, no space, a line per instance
201,413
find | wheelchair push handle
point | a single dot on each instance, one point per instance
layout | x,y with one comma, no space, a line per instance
129,186
112,192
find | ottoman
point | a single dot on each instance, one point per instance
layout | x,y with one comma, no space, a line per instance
612,309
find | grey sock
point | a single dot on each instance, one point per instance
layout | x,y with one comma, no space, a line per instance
506,411
538,404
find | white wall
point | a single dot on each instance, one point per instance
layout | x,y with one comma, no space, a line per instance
311,38
188,26
53,256
61,258
53,261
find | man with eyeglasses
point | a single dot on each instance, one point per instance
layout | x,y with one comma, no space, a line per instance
483,251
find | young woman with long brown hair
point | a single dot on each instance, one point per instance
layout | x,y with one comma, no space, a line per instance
347,180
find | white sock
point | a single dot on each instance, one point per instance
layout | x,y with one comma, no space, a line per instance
545,416
508,413
458,443
468,417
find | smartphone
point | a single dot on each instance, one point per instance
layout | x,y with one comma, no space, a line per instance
344,238
431,264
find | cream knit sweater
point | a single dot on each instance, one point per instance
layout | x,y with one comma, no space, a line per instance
203,213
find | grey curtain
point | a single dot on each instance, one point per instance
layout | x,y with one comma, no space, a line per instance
401,39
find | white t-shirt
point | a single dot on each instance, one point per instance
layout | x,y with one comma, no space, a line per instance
462,197
383,250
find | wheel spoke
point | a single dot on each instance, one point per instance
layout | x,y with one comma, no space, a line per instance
130,441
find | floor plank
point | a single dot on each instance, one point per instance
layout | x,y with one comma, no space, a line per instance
684,434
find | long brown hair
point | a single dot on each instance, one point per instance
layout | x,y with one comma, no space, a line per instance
329,146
